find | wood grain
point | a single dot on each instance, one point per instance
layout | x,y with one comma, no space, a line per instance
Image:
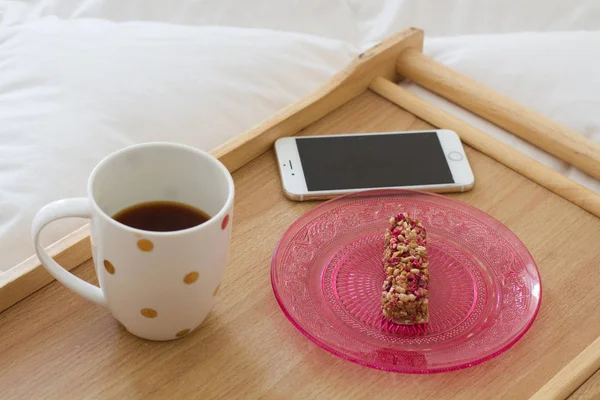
29,276
21,281
572,375
343,87
56,345
524,165
590,390
538,130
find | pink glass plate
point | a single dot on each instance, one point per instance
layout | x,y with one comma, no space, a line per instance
485,288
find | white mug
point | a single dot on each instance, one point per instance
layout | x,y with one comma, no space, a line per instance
159,285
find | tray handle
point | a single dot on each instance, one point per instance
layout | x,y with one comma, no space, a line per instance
524,165
527,124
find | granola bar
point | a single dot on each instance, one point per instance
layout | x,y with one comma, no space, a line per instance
404,297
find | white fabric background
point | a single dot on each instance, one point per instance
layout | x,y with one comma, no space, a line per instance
82,78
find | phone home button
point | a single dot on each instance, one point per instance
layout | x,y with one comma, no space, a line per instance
455,156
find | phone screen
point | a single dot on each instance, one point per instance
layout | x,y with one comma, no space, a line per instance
372,161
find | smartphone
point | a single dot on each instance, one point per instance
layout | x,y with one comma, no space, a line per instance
321,167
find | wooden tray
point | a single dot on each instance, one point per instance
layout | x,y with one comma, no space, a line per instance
55,344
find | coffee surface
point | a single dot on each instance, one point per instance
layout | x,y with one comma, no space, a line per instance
161,216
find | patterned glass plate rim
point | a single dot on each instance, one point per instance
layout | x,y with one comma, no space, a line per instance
506,298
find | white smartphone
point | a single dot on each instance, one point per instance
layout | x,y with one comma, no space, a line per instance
321,167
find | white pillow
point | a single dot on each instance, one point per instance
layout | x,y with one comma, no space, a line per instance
377,18
71,92
332,18
356,21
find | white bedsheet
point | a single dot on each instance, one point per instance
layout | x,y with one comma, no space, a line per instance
82,78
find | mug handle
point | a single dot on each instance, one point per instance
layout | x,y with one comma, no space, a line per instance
77,207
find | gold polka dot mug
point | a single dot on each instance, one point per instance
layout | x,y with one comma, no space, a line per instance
159,285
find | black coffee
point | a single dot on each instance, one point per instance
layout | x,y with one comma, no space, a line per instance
161,216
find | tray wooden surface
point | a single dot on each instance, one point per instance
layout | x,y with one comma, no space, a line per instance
57,345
